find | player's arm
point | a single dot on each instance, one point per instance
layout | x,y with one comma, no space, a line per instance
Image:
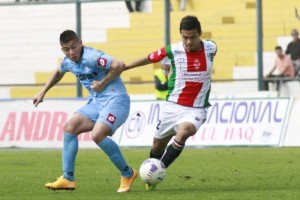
55,77
116,68
138,62
153,57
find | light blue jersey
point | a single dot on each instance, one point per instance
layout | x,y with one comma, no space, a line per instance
93,65
110,106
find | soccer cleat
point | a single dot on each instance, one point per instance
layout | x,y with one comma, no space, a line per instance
61,184
150,187
127,182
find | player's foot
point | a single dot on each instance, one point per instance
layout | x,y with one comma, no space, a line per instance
150,187
127,182
61,184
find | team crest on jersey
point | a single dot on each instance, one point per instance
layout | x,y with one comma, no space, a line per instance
111,118
102,62
197,63
86,69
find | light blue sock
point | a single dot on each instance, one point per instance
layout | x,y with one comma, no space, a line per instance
69,154
112,150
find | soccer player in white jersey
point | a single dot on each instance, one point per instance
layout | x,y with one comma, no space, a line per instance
188,89
106,109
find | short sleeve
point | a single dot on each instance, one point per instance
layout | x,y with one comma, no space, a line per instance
158,55
102,60
165,61
212,47
63,66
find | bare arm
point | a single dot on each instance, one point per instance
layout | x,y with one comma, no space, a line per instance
138,62
270,72
55,77
116,68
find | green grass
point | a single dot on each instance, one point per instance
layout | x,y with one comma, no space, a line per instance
213,173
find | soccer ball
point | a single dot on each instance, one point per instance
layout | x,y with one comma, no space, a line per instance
152,171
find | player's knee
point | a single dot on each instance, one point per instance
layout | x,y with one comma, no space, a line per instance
97,138
186,130
68,128
183,134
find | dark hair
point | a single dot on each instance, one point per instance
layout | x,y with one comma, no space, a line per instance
189,23
278,48
67,36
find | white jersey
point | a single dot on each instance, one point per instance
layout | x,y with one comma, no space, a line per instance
190,76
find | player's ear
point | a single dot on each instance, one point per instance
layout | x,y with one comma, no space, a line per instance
200,33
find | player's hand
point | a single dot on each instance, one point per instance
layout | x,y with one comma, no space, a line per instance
97,86
38,99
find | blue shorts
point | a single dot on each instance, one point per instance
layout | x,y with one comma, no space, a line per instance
113,112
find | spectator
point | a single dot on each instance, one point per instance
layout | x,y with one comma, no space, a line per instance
293,49
161,82
283,67
137,5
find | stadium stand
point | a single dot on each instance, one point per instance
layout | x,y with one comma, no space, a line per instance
231,23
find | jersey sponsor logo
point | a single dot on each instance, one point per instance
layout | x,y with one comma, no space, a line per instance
111,118
102,62
83,77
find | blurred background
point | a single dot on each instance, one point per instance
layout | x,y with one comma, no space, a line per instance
30,50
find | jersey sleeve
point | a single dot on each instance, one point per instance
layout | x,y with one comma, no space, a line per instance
165,61
63,66
158,55
213,47
102,61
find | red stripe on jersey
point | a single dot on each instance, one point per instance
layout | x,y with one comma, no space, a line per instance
158,55
189,93
196,61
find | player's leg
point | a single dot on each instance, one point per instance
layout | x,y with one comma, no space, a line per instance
185,130
112,116
186,125
159,146
111,149
157,151
76,125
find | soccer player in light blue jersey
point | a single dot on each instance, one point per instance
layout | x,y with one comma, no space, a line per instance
106,109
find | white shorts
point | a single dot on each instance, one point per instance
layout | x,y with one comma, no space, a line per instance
173,114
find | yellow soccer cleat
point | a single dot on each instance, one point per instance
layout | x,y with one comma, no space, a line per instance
61,184
127,182
150,187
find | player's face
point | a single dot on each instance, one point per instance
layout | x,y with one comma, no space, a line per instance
190,39
72,50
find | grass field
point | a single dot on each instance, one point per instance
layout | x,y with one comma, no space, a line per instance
212,173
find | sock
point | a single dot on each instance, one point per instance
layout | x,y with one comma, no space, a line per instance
173,151
156,155
69,154
113,152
